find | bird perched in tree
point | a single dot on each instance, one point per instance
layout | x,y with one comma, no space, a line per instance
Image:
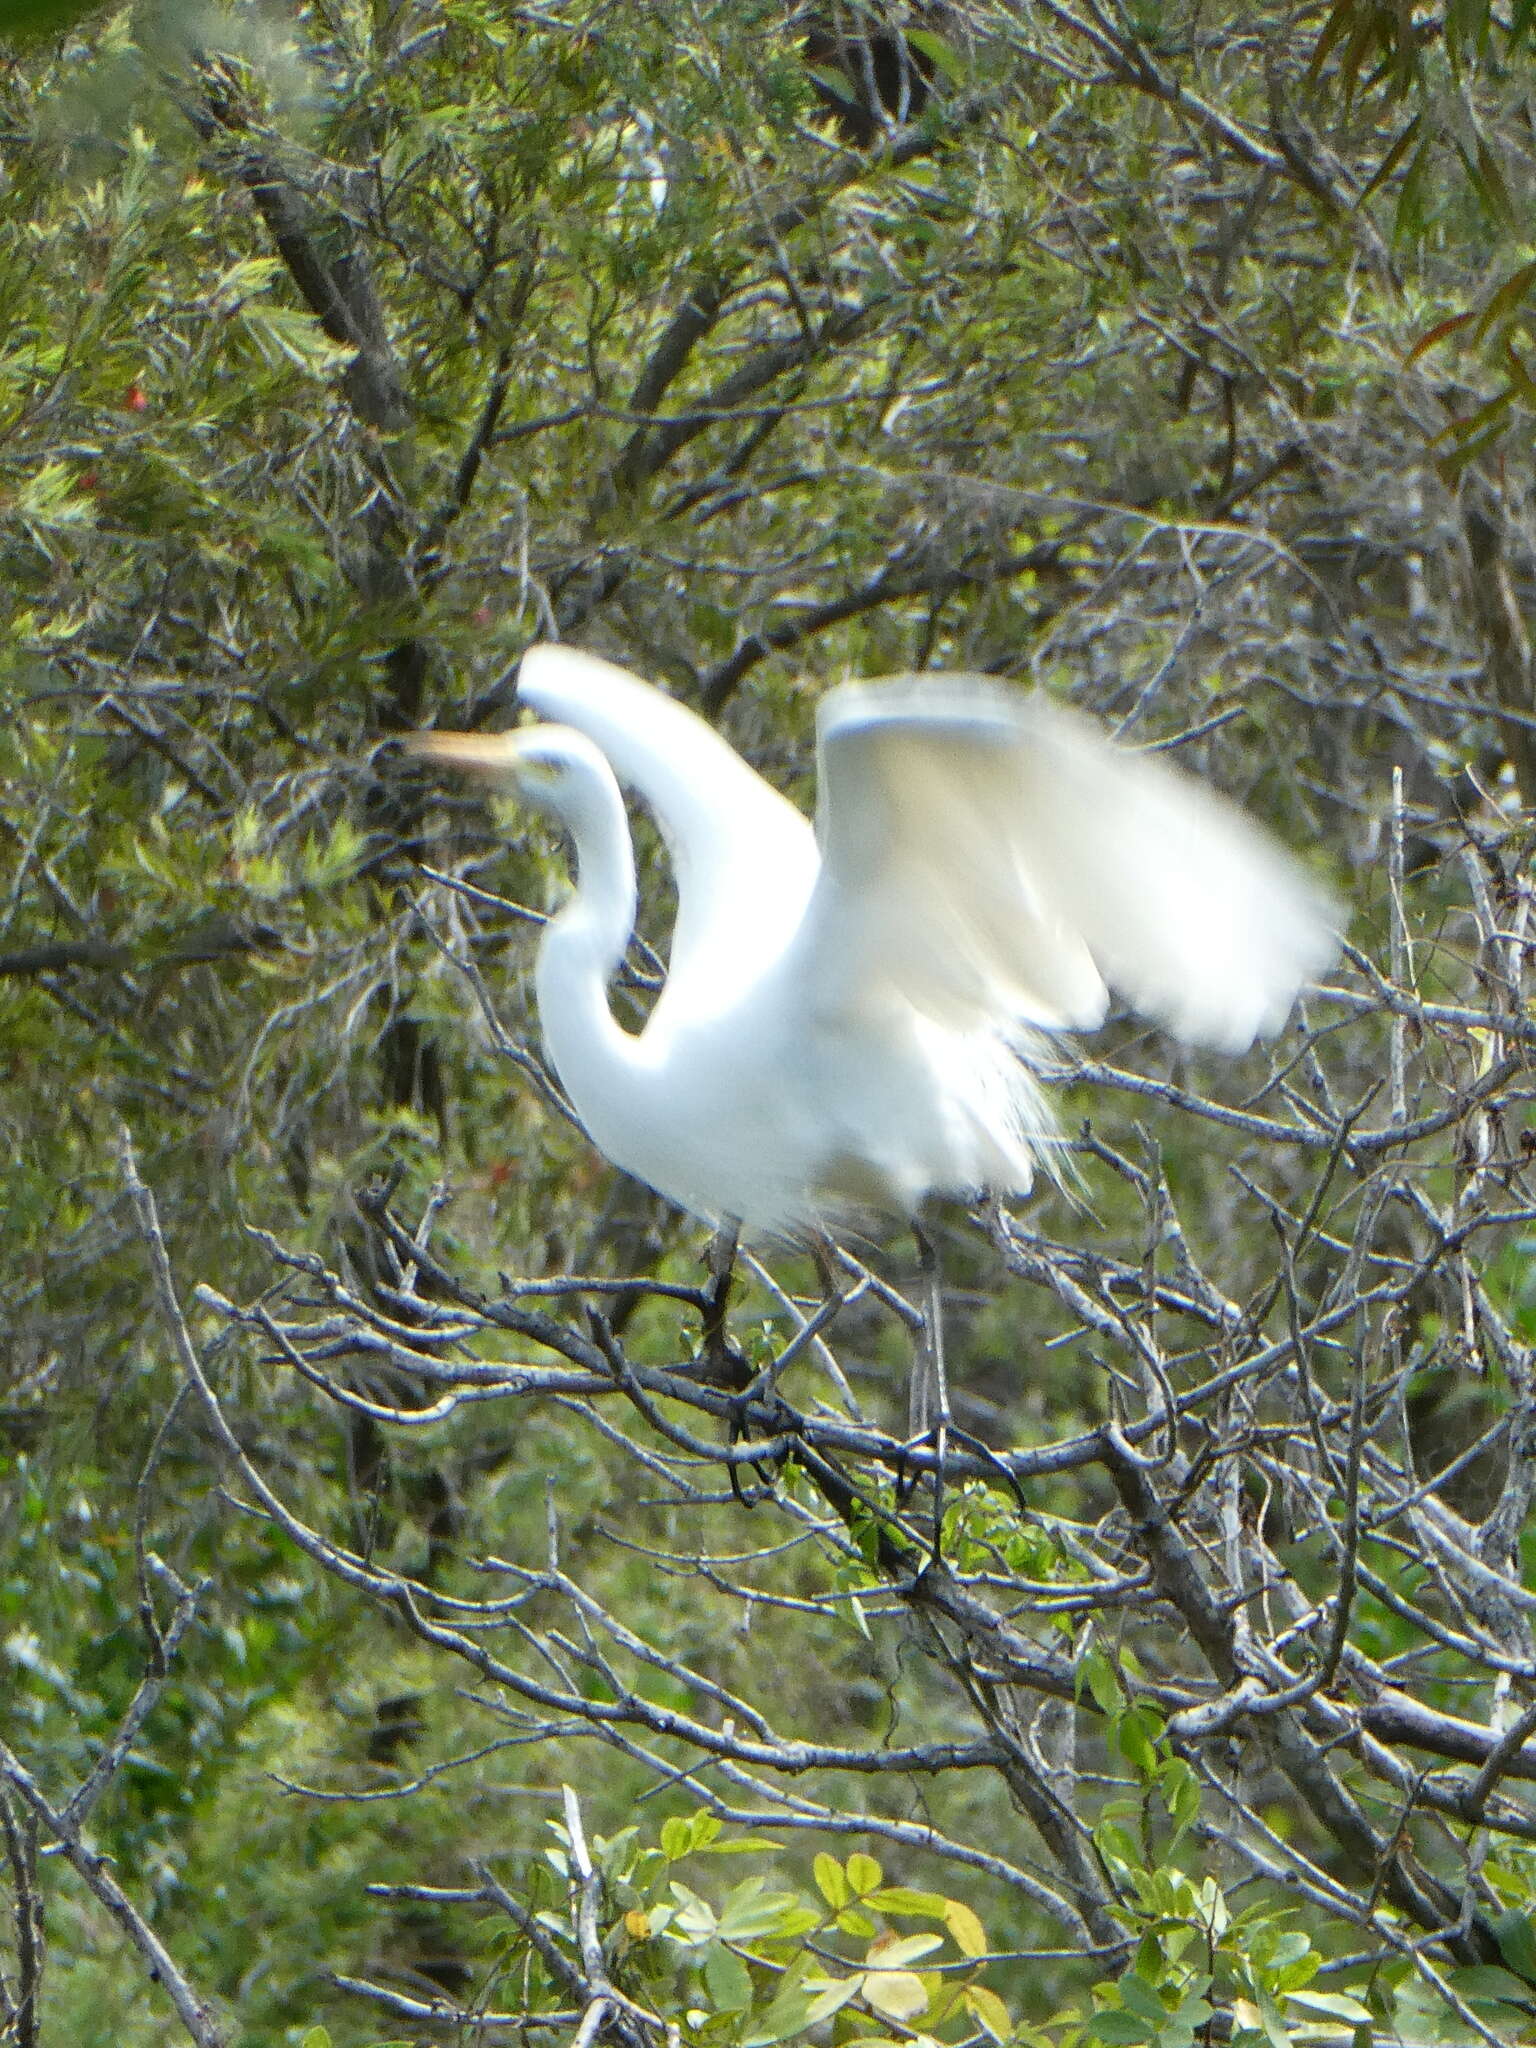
858,1015
870,76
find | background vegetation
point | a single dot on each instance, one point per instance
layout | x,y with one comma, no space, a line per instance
403,1640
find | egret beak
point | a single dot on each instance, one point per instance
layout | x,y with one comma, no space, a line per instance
481,753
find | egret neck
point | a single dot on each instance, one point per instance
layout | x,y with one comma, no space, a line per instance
583,946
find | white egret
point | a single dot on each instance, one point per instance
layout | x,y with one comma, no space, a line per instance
856,1016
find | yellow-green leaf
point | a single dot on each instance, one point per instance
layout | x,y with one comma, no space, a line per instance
244,280
895,1994
987,2007
47,498
1337,2005
965,1930
830,1880
828,1995
893,1952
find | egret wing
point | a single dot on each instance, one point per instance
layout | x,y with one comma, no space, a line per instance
743,857
997,856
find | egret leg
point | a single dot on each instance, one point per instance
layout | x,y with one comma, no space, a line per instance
928,1411
727,1366
928,1394
721,1259
823,1257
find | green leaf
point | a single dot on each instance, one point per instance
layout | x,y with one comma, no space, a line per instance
1412,195
1137,1741
1098,1674
1118,1843
1181,1793
831,1881
1510,295
1487,1981
1119,2029
749,1912
1138,1997
864,1874
1192,2011
727,1979
937,51
249,278
1299,1970
696,1918
325,862
1515,1933
265,876
1285,1949
900,1898
48,499
1393,158
286,333
787,2014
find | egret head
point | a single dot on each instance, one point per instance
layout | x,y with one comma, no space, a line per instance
550,767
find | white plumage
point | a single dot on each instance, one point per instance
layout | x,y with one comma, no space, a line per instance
852,1016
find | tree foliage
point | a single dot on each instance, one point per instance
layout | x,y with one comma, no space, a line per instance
411,1632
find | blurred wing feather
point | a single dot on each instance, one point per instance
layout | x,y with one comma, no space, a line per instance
996,857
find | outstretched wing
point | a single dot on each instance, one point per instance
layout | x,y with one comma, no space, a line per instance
744,858
995,856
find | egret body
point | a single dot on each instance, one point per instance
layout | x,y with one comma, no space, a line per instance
856,1016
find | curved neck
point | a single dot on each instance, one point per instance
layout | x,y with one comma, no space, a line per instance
581,950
